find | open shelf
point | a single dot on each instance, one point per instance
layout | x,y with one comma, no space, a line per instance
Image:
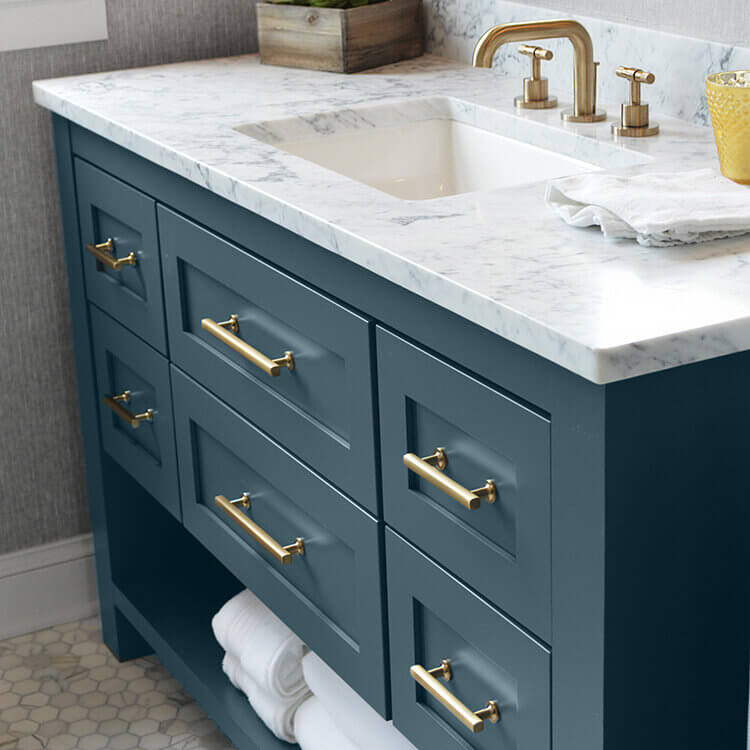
176,622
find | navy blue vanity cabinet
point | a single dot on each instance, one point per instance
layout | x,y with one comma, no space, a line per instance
302,546
597,589
135,403
453,655
120,248
225,307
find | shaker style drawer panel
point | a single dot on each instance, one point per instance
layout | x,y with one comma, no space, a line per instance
466,477
136,408
462,675
121,253
311,554
317,399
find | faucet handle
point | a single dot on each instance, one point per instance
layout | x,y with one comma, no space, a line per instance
634,119
537,53
535,89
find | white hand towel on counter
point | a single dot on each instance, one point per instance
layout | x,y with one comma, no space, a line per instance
316,729
656,209
361,723
276,713
267,649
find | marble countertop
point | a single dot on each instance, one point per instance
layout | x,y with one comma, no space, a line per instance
607,310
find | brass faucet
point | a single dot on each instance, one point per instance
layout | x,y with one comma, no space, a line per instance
584,69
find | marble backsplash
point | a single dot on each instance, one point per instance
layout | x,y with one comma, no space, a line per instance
679,63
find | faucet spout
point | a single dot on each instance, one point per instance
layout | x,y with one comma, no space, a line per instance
584,73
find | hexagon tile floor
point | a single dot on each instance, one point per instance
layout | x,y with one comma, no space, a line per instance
62,689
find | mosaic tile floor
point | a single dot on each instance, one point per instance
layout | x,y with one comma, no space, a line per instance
61,689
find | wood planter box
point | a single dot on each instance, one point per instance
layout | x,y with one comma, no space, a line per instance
340,41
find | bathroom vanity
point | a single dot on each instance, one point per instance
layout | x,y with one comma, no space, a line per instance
419,430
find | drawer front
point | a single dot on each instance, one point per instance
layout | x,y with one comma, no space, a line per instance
501,548
435,617
132,294
322,410
330,595
145,448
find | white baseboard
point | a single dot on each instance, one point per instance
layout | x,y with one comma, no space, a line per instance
47,585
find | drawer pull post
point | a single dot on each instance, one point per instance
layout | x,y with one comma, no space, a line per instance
227,332
104,252
431,468
428,679
284,554
134,420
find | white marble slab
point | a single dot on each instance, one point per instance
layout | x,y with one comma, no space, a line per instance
680,63
605,310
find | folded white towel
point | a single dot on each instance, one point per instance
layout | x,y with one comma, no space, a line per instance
353,715
277,714
657,209
267,649
316,729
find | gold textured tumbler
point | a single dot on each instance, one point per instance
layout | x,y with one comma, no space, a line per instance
729,104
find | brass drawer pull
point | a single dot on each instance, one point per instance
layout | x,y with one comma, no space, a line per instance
428,679
284,555
227,332
431,468
134,420
105,254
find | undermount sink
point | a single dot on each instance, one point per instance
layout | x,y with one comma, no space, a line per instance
422,149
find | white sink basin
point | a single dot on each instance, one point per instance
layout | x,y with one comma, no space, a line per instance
422,149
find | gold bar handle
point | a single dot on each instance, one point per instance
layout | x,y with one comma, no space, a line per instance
104,253
134,420
432,467
227,332
428,679
284,555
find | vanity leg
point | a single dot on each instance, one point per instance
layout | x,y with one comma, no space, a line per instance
117,633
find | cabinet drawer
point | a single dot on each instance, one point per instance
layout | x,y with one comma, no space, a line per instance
501,548
435,617
144,447
132,294
330,595
322,410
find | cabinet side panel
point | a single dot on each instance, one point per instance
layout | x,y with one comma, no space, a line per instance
678,558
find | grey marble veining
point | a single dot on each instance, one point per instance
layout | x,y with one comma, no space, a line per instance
499,258
680,63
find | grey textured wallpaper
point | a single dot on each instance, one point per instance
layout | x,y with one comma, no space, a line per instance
41,477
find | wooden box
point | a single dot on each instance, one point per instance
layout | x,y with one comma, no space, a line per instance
340,41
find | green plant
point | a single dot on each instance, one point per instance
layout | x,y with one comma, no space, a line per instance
327,3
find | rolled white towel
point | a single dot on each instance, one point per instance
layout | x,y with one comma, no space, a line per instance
361,723
225,616
268,650
316,729
276,713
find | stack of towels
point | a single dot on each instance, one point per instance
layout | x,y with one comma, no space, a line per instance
264,660
299,697
336,718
